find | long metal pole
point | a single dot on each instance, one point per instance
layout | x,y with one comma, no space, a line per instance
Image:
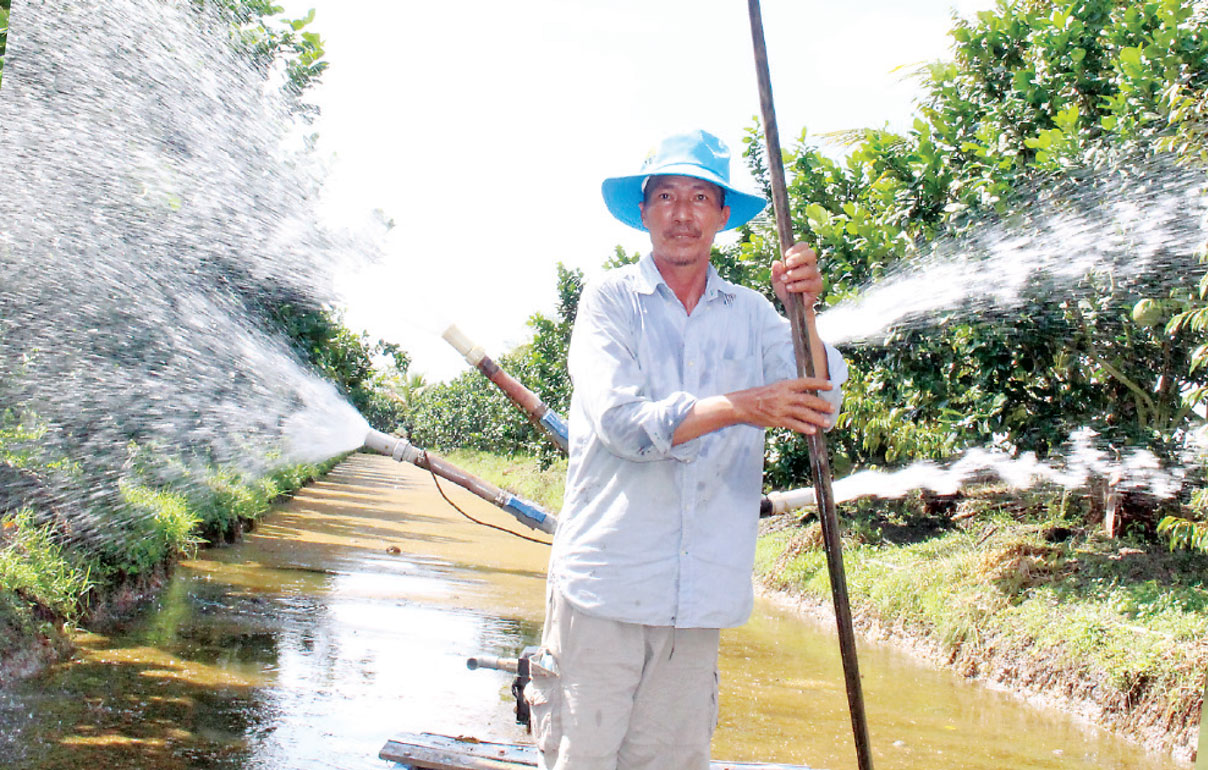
819,460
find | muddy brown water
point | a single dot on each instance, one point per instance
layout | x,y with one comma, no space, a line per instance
310,643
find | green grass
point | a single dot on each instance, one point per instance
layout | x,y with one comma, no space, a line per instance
39,570
162,525
45,583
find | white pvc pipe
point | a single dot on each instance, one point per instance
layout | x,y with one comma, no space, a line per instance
792,499
471,352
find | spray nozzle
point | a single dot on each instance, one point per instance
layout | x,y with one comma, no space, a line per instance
783,502
400,449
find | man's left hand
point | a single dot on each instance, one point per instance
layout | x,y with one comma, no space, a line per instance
798,273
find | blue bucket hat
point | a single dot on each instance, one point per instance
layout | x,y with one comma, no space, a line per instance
697,154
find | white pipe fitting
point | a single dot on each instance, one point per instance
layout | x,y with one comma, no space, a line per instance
400,449
472,353
791,500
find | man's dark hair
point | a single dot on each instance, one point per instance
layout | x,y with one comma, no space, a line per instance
721,191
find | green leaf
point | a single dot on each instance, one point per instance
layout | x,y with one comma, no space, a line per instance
1067,119
1044,140
298,24
819,218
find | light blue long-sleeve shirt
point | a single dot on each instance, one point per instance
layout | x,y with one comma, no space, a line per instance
651,533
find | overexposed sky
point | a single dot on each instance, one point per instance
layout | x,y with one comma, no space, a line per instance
484,129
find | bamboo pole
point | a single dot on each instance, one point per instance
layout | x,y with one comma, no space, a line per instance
819,460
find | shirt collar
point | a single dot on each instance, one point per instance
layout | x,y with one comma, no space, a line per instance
649,279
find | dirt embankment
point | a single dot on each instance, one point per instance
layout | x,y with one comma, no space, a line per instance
30,650
1032,676
26,651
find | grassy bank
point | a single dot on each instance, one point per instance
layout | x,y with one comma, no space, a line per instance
50,583
1003,587
520,474
1112,629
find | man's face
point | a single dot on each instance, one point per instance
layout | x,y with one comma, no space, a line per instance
683,214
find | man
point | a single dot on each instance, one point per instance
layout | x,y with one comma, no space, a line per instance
676,374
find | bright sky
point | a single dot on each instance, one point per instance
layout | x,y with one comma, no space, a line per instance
484,129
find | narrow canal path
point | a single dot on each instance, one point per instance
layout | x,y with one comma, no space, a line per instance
349,613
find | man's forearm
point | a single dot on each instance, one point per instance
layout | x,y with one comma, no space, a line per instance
707,415
792,404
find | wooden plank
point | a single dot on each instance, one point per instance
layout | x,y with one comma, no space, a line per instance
428,751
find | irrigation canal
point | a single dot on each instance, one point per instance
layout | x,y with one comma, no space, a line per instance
349,613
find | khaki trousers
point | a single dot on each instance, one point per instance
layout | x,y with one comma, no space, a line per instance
607,695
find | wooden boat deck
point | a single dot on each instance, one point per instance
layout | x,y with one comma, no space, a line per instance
427,751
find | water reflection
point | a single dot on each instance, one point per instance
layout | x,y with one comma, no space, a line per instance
784,697
305,647
310,644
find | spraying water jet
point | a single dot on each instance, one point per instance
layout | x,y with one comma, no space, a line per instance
154,186
1140,220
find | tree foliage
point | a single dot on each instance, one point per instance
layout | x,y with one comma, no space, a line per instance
372,375
469,412
269,40
1036,93
1039,97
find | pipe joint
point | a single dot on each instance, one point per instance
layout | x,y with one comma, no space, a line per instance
530,514
397,448
553,422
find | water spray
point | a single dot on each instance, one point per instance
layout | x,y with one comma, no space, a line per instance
168,212
549,421
524,511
